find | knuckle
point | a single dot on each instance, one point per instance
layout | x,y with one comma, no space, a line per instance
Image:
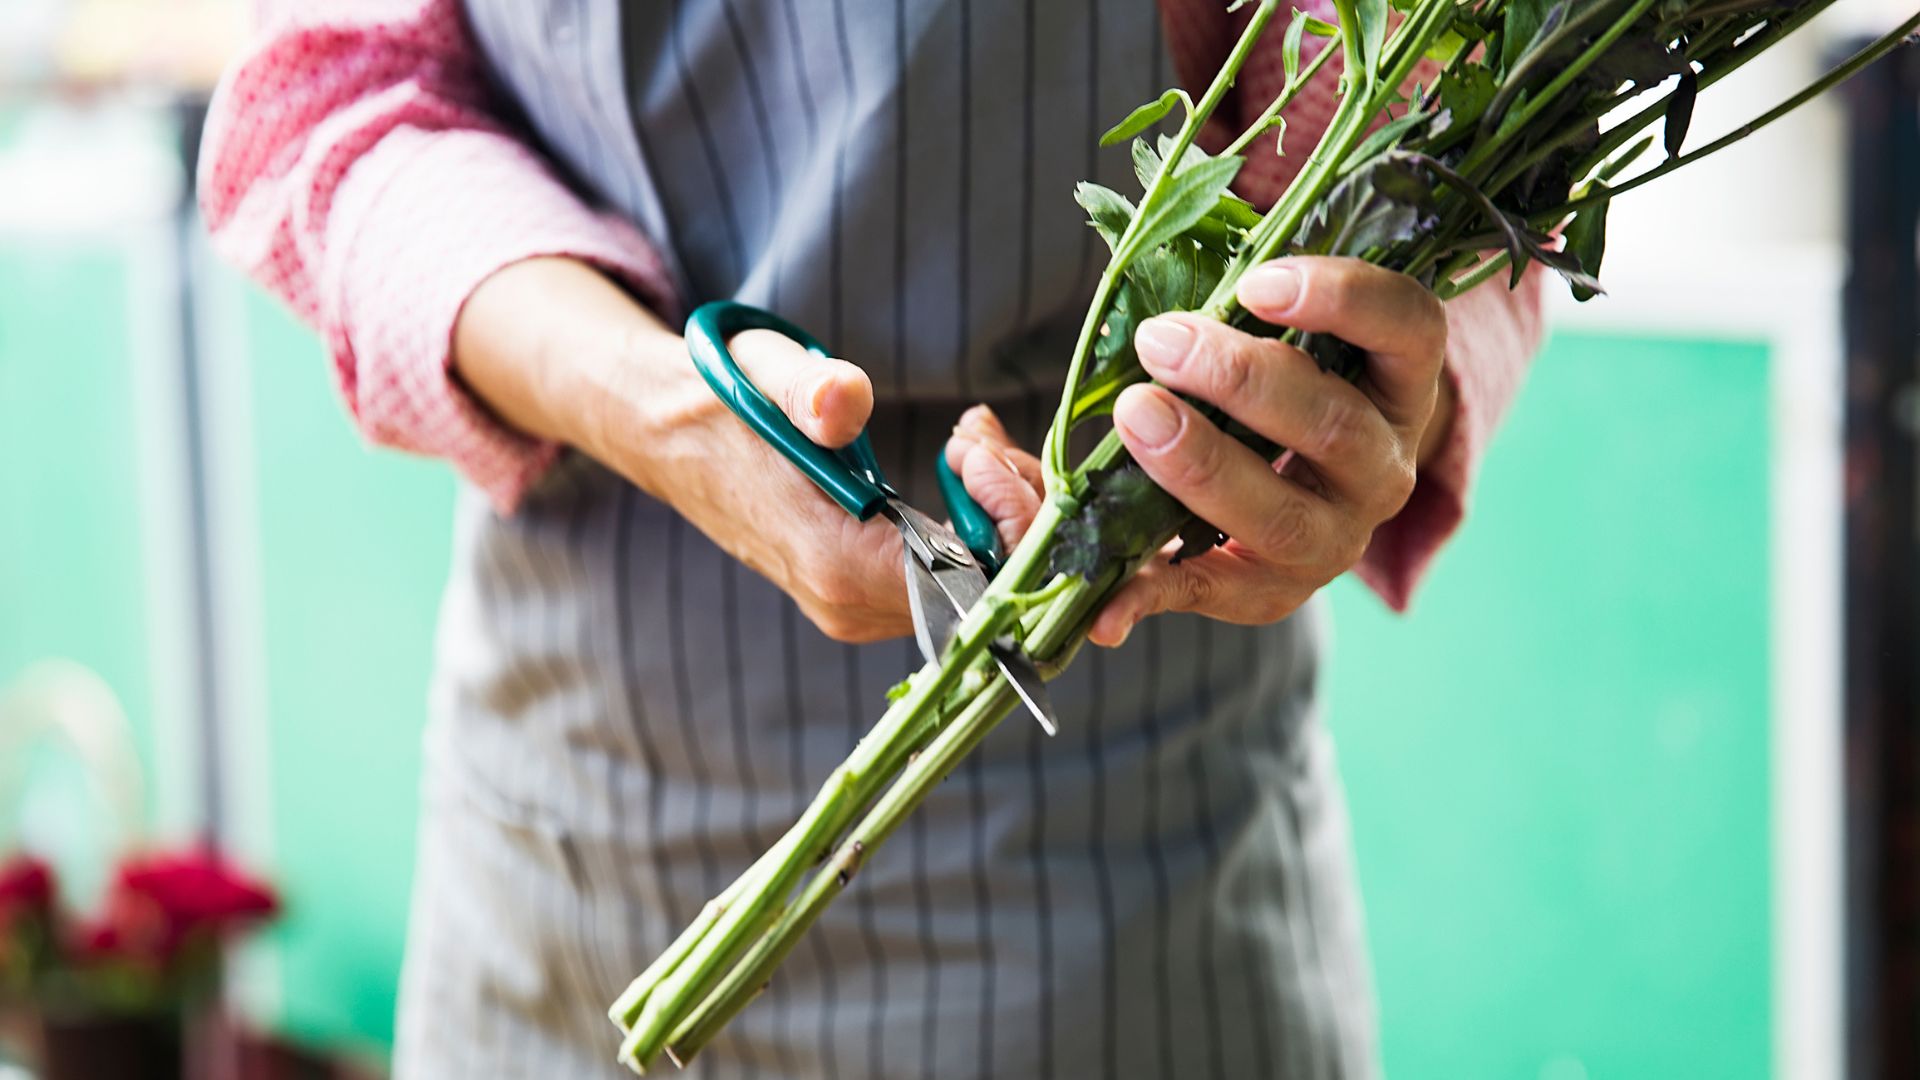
1198,463
1334,285
1396,486
1287,532
1193,591
1231,374
1338,430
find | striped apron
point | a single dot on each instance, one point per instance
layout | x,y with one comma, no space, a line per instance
623,717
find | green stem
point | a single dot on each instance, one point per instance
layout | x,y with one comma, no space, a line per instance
1054,452
749,978
1448,288
1348,126
874,762
1627,130
1287,94
1892,40
1518,122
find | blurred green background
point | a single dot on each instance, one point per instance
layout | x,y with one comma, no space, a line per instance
1558,764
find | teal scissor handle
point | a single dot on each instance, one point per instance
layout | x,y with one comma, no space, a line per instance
971,522
851,475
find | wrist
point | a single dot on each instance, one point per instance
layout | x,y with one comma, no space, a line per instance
556,350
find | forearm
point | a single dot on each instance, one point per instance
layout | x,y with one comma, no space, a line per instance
556,350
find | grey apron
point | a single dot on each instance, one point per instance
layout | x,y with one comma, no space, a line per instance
623,717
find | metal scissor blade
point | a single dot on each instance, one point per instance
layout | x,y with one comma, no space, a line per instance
1026,681
933,620
943,583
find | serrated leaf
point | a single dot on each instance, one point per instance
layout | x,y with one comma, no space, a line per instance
1587,241
1119,517
1143,117
1193,155
1177,277
1146,163
1108,212
1466,92
1383,202
1192,194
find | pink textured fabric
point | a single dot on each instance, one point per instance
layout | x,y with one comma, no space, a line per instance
354,167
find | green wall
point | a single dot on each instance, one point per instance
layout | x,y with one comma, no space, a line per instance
1558,765
354,550
72,581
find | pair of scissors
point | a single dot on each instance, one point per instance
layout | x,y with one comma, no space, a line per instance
946,568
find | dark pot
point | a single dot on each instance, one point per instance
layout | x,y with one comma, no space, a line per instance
111,1048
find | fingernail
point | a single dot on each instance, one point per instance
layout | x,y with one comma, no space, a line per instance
1272,288
1150,418
1164,343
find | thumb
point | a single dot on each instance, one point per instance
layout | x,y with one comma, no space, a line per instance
828,400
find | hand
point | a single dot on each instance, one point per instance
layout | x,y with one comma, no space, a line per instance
1353,448
557,351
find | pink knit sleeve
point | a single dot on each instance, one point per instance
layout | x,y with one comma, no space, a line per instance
354,166
1493,333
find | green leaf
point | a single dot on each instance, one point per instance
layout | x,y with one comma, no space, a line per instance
1446,47
1110,214
1290,50
1319,27
1382,203
1523,242
1587,240
899,690
1680,112
1465,93
1619,164
1191,196
1525,18
1121,515
1373,33
1145,117
1115,366
1177,277
1385,138
1146,163
1193,155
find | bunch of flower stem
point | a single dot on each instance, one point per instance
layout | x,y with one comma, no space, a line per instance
729,953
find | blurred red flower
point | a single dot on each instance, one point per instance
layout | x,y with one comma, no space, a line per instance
26,888
160,902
